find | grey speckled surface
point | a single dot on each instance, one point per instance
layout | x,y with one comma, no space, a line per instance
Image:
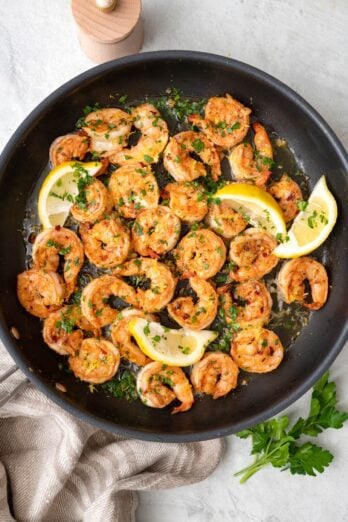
304,44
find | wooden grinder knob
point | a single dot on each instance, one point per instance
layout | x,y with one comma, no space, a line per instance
106,36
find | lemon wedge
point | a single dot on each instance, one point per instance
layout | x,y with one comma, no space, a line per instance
173,347
256,205
59,190
312,226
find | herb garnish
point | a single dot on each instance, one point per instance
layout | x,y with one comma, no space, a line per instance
66,323
273,444
122,386
198,145
178,106
86,110
302,205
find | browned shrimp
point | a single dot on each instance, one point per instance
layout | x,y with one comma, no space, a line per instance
288,194
216,374
133,188
65,330
226,121
257,350
153,139
162,283
251,252
68,147
107,243
257,308
52,243
200,253
108,130
179,163
158,385
292,277
199,315
251,165
98,203
96,362
122,338
40,292
187,200
224,220
155,231
95,297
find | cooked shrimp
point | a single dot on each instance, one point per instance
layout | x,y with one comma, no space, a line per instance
107,243
216,374
158,385
257,350
133,188
122,338
68,147
257,307
155,231
292,277
96,362
183,167
197,315
162,283
39,292
187,200
153,139
65,330
108,130
59,241
224,220
287,192
226,121
252,253
95,296
98,203
253,165
200,253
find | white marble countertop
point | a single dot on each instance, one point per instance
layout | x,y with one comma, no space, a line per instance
305,45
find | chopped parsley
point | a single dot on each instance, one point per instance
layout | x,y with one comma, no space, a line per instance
302,205
146,329
198,145
122,386
66,323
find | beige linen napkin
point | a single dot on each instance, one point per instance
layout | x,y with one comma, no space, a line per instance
56,468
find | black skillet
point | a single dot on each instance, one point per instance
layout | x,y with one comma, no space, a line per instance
318,152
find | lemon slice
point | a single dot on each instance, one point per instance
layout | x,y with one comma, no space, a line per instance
173,347
256,205
313,225
59,189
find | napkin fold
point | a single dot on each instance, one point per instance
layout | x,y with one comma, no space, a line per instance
54,467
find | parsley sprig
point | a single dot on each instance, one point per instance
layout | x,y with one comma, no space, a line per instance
273,443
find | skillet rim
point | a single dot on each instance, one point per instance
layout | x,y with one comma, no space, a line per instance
211,59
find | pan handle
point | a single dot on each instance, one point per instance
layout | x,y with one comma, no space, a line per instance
7,396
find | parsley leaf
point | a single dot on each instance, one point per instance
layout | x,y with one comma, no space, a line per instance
323,412
309,458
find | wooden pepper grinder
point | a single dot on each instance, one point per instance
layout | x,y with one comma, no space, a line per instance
108,29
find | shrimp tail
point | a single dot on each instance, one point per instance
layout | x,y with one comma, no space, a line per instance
186,275
195,119
224,289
